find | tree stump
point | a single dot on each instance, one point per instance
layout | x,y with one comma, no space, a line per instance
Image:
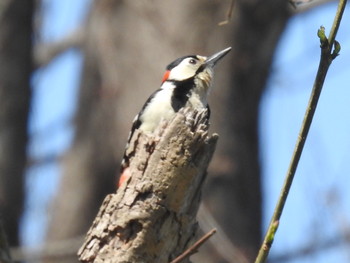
152,216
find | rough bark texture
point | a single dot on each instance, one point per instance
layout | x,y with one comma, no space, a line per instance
15,70
152,217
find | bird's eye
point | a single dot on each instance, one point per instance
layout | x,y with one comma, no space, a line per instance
193,61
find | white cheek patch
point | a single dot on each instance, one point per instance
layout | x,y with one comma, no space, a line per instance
185,70
182,72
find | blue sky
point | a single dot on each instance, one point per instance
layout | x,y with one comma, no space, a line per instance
309,216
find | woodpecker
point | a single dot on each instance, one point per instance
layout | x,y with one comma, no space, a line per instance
186,83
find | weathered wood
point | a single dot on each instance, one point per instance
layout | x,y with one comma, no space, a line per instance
152,217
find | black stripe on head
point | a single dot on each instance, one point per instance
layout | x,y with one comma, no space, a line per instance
181,93
178,61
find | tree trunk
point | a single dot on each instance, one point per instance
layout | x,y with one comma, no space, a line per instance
15,69
152,217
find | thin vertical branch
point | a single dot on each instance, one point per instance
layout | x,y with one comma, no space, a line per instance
329,50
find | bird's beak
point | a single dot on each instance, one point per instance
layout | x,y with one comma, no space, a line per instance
213,59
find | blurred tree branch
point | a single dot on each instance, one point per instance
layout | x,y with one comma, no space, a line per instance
44,53
306,5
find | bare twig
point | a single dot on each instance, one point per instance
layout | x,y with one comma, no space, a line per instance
306,5
193,249
229,14
329,50
220,242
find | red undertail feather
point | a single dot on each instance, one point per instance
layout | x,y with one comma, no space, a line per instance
124,176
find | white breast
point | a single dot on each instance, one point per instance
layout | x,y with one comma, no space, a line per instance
158,109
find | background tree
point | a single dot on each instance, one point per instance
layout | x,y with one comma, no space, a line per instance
15,94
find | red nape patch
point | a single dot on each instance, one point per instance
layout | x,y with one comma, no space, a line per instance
166,75
124,176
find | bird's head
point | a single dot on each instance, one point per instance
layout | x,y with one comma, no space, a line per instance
193,66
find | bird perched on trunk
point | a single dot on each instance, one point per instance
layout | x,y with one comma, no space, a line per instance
186,83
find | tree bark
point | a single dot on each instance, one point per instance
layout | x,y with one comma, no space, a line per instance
152,217
15,94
